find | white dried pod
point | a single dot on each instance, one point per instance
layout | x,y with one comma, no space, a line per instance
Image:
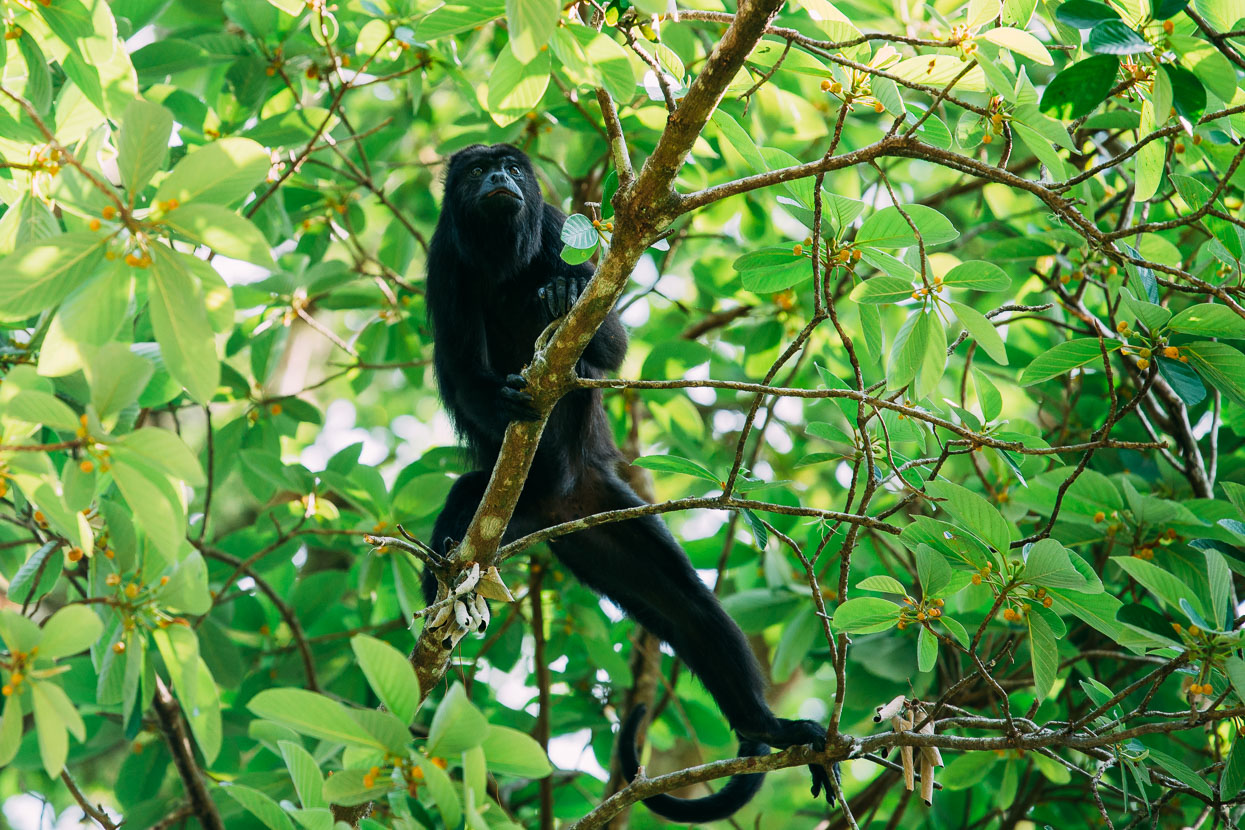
482,611
470,581
927,781
441,617
461,615
888,710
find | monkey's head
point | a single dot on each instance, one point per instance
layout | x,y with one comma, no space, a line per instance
492,195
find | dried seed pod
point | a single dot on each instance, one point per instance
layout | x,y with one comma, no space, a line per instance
888,710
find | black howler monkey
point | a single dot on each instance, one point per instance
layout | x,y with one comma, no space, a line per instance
495,281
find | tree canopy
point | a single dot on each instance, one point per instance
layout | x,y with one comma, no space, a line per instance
936,313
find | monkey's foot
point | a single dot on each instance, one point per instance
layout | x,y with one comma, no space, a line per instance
516,401
559,295
801,732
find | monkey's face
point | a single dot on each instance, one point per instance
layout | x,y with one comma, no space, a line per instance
493,184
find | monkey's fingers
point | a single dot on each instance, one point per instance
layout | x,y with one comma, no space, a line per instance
561,290
546,298
516,381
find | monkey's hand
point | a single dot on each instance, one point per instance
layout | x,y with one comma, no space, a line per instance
516,401
559,294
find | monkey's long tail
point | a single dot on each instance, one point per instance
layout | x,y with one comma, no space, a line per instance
737,792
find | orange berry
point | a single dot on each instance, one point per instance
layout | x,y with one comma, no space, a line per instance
275,409
798,250
1065,279
1100,516
1171,351
1143,364
976,579
6,690
1121,327
1168,26
440,762
987,138
131,590
94,224
1179,147
108,553
1197,139
1194,631
368,781
40,518
825,86
878,107
270,71
164,580
109,212
118,647
417,774
1048,602
1184,358
87,466
902,624
74,554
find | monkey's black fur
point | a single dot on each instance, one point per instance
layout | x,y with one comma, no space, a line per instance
495,281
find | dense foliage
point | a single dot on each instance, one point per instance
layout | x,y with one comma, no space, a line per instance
936,314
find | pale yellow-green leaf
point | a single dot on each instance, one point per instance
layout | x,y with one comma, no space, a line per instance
222,230
143,143
221,172
1020,42
40,274
938,71
514,88
531,23
181,325
69,631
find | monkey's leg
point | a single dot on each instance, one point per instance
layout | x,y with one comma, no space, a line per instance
638,564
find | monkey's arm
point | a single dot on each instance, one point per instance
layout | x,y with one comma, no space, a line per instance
555,299
477,397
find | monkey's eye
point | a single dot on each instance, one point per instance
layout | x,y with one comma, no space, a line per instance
477,172
515,171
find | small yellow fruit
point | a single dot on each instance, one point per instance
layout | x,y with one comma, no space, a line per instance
118,647
112,579
798,250
87,466
1100,516
1143,364
987,138
1121,327
1172,352
878,107
74,554
94,224
1179,147
1168,26
109,212
825,86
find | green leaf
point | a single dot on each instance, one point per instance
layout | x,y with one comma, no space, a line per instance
305,772
442,790
908,351
1114,37
974,512
1049,566
1188,94
1151,158
1167,587
41,566
1063,358
1078,89
798,636
676,464
155,504
978,275
881,290
180,322
222,230
1044,653
1164,9
10,729
117,377
515,88
983,332
40,274
348,787
887,228
451,19
515,753
389,674
49,726
768,270
1209,320
457,725
926,650
261,806
865,615
967,770
35,407
221,173
312,714
1230,781
1221,365
883,583
1182,772
577,232
531,23
164,450
143,143
70,630
1084,14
